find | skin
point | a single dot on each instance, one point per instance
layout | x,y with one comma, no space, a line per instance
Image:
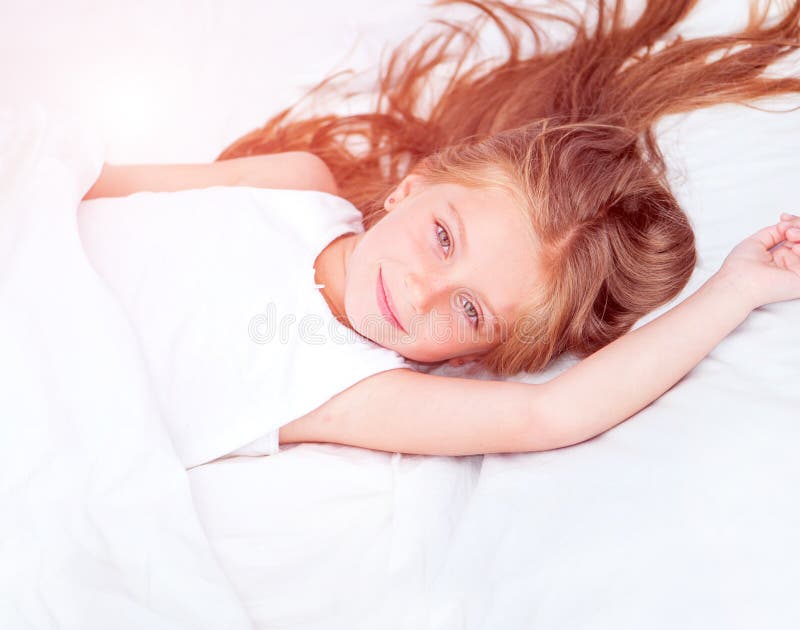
438,284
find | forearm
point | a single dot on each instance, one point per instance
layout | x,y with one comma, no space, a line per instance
120,180
296,170
620,379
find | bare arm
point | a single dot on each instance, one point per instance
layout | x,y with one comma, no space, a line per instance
293,169
405,411
625,376
410,412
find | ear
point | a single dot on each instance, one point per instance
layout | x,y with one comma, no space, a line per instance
404,189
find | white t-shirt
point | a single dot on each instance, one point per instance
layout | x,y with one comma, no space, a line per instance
219,286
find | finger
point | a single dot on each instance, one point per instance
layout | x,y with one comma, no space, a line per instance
793,261
789,249
789,246
786,258
789,230
770,235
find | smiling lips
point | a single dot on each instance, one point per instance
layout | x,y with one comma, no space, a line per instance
385,303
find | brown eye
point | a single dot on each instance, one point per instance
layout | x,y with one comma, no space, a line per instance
472,313
443,237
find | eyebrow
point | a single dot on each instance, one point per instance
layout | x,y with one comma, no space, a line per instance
462,238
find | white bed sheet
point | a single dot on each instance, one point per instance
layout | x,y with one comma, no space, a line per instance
683,516
97,523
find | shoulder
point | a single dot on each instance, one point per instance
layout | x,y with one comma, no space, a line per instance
299,170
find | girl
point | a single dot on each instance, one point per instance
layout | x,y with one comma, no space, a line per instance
522,215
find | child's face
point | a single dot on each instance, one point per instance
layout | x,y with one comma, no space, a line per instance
451,291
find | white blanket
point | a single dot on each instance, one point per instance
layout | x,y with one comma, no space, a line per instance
97,526
684,516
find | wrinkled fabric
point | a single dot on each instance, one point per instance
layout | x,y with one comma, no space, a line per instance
97,525
219,285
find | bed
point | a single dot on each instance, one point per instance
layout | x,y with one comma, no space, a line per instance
684,516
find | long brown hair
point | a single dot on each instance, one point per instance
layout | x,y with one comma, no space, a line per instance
567,130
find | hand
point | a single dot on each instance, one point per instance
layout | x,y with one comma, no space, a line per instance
765,267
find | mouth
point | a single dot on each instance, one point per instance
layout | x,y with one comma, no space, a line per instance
385,304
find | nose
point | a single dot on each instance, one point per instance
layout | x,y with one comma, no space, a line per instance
427,291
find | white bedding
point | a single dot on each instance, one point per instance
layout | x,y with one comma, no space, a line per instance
98,527
684,516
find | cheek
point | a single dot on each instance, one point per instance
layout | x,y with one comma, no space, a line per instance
359,286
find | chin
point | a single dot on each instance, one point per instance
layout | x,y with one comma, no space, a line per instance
410,354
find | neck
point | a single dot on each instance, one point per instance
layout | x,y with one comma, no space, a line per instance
330,269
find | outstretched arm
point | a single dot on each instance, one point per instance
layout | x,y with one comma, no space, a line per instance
628,374
298,170
410,412
625,376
